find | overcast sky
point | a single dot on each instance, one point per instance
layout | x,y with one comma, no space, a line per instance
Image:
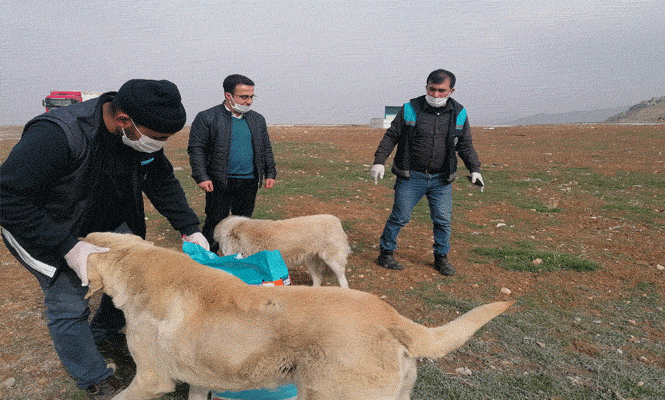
339,62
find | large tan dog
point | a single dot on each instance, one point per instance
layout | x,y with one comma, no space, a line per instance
315,241
190,323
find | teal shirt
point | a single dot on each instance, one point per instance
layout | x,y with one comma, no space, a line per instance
241,152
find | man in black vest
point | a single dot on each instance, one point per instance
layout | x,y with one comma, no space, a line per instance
230,155
430,132
80,169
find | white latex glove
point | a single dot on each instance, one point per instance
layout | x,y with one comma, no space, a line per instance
198,238
77,258
377,172
477,179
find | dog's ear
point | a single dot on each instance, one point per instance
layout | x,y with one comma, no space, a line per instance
93,287
95,282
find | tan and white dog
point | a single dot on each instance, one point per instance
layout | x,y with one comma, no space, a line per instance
190,323
315,241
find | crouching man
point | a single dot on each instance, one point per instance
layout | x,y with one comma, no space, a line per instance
80,169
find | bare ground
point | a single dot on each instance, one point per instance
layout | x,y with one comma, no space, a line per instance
629,250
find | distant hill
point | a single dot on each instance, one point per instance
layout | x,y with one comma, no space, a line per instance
569,117
647,111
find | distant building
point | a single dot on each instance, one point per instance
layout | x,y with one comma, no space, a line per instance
388,116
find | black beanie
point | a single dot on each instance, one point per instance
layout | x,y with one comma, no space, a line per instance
154,104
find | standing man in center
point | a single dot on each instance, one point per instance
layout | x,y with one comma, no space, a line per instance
429,131
230,155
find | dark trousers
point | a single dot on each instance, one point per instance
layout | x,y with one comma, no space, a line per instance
238,198
67,313
74,338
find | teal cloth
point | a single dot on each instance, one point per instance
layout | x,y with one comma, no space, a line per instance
285,392
264,266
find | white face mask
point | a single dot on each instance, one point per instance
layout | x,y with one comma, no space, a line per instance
436,102
144,144
239,108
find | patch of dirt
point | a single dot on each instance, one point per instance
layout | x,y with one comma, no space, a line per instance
629,251
629,254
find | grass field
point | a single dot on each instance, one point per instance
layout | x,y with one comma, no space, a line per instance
571,225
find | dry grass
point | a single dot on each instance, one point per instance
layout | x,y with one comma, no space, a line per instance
592,191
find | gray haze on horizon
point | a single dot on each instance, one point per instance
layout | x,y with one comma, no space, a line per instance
324,62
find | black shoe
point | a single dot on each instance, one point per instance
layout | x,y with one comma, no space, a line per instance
442,265
386,260
106,389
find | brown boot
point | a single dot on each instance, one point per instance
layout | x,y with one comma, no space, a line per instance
442,265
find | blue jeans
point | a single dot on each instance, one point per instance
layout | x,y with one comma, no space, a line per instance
408,193
67,313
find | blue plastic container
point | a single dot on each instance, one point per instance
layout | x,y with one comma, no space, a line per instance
286,392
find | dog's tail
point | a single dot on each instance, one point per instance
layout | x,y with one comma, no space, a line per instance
437,342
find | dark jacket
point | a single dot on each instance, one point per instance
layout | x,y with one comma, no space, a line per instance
47,218
403,134
210,140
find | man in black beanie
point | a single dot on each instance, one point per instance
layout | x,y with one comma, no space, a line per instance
80,169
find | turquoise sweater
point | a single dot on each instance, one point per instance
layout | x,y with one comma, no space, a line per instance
241,153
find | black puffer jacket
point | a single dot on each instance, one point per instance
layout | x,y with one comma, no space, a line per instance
46,211
210,140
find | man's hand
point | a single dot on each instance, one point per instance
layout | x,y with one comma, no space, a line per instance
377,172
477,179
77,258
198,238
206,186
270,183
